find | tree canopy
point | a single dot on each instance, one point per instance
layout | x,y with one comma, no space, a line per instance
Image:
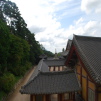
18,46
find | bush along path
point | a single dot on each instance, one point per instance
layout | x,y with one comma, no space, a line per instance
16,95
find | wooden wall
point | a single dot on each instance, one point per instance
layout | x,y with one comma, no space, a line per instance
85,81
53,97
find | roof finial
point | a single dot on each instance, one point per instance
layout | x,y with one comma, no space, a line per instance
56,54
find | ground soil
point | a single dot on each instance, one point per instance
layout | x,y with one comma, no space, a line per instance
16,95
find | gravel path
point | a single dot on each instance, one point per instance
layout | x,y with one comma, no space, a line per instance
17,96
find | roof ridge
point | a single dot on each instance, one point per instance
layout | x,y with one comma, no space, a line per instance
40,65
54,59
38,69
57,72
86,36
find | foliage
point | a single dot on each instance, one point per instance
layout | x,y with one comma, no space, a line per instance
18,46
59,54
35,50
4,46
48,53
19,51
7,81
2,94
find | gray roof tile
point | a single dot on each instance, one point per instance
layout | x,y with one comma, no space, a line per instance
52,82
89,49
55,62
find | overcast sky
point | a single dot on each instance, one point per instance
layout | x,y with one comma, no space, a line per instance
55,21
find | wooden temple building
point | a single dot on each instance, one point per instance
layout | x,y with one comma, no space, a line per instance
76,77
85,58
51,82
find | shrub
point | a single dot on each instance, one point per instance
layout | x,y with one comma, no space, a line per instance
7,81
28,65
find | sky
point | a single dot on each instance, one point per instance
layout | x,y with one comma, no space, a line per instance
55,21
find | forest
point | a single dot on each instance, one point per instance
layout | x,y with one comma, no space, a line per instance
19,49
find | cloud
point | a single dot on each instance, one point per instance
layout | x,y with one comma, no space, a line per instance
91,6
36,29
55,21
81,27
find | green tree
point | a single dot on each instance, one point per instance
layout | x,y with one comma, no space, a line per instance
4,46
19,54
35,49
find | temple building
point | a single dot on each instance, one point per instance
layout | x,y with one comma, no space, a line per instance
52,82
76,77
85,58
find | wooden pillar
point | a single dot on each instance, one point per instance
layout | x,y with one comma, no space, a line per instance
81,77
31,97
34,98
58,68
87,88
44,97
74,96
54,68
69,96
60,97
47,97
49,68
62,68
96,93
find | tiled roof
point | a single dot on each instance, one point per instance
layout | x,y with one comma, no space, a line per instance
52,82
50,58
55,62
64,53
41,67
89,49
68,44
